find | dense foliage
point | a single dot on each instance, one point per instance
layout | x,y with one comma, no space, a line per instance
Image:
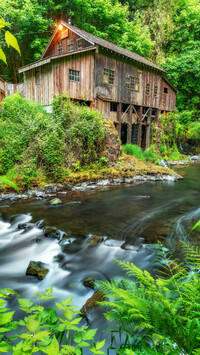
165,31
52,331
157,315
35,145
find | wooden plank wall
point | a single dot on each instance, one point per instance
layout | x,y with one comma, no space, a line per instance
118,92
54,79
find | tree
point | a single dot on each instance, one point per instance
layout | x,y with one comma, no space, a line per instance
9,39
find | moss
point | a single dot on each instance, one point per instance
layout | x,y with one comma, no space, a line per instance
92,303
36,268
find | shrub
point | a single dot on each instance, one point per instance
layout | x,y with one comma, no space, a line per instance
133,149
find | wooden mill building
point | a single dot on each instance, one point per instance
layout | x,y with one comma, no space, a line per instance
125,87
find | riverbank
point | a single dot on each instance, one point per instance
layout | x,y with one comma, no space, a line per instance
128,170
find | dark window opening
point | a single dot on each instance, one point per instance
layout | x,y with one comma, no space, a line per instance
155,90
74,75
165,90
147,89
37,76
143,136
108,76
60,47
124,133
113,106
134,137
124,107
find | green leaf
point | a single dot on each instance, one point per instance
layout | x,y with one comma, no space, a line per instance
4,347
2,56
77,338
49,291
6,317
67,301
11,41
53,348
4,179
100,344
25,303
89,334
196,226
69,314
32,324
2,23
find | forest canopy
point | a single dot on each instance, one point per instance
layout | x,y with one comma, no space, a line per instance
165,31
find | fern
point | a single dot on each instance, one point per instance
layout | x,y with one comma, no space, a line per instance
166,309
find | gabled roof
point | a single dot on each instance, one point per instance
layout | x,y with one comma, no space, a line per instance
94,40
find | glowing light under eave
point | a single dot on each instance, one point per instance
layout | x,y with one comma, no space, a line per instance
60,27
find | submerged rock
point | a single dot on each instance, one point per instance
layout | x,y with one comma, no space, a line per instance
89,282
55,201
37,269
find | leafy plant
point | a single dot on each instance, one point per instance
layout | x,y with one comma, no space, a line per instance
9,39
50,331
160,314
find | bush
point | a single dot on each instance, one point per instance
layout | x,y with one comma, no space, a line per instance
133,149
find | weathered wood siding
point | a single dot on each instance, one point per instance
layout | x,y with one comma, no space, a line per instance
67,37
54,79
167,100
117,92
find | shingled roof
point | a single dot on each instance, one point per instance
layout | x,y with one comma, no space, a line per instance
112,47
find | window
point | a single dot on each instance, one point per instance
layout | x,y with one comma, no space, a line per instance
108,76
70,45
113,106
79,43
132,82
155,90
60,47
37,76
74,75
147,89
165,90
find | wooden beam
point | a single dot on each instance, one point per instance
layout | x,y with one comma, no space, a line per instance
129,132
148,129
119,122
125,112
140,126
157,117
143,117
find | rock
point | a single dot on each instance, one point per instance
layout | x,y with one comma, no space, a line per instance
51,232
92,303
37,269
95,239
55,201
89,282
25,226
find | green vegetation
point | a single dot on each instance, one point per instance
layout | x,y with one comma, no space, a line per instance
150,315
36,146
52,331
157,315
144,155
164,31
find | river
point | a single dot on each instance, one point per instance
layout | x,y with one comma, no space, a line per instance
132,219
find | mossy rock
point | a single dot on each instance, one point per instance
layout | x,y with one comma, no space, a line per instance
37,269
95,239
92,303
55,201
89,282
51,232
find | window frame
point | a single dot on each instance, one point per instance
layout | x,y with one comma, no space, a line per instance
147,89
132,83
108,76
155,90
165,90
79,43
73,75
60,47
70,45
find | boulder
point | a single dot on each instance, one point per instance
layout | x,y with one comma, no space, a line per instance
51,232
37,269
89,282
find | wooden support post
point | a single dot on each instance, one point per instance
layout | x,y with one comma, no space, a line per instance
140,126
148,129
129,131
157,113
119,123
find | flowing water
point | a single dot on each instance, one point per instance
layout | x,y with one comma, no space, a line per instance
132,219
